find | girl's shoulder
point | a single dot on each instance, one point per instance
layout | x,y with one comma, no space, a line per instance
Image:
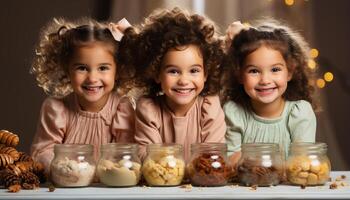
231,107
299,108
148,104
210,105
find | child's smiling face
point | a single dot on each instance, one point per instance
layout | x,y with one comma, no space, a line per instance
182,77
92,72
265,76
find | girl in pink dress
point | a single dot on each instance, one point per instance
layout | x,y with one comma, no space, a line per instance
76,65
177,65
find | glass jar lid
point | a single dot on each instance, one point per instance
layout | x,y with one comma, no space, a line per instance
260,147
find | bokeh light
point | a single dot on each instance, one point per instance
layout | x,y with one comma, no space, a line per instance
314,53
320,83
312,64
289,2
328,76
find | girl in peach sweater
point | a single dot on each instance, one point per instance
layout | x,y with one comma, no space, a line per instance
178,56
76,65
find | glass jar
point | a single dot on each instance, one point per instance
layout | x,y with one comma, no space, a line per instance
73,165
208,164
308,164
261,164
164,165
119,165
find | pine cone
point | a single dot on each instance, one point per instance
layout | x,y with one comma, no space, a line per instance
5,159
29,180
10,178
10,151
8,138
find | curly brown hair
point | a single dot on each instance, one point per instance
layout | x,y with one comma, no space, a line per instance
171,29
57,42
272,34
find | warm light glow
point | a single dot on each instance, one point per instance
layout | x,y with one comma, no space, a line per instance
246,24
328,76
313,53
289,2
320,83
311,64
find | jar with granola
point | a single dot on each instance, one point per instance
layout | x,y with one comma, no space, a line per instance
73,165
308,164
208,164
164,165
119,165
261,164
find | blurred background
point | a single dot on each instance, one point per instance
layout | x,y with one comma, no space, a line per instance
323,23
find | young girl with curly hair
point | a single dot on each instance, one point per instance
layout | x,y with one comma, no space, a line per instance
177,66
267,87
76,64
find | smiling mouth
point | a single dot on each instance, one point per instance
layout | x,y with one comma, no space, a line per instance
92,88
265,89
183,91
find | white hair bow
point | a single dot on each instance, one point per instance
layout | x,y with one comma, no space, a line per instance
118,29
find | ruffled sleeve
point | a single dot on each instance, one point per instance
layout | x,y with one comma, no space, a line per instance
235,126
302,122
213,120
147,124
50,130
124,121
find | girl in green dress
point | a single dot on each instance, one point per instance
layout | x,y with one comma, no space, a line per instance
266,87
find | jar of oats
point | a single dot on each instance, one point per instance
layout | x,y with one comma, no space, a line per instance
73,165
261,164
208,164
308,164
164,165
119,165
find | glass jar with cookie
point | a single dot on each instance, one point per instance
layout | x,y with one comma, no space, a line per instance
164,165
119,165
308,164
261,164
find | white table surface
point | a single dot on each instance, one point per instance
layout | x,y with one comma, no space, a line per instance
225,192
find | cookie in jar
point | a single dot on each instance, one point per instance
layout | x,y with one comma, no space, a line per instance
261,164
119,165
164,165
73,165
208,164
308,164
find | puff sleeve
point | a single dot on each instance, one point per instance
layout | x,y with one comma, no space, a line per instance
235,126
302,122
124,121
51,129
213,120
147,124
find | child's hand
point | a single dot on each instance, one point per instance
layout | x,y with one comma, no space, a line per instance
232,30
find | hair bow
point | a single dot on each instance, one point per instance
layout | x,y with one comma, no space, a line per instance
118,29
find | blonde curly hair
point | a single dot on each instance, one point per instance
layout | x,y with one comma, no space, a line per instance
57,42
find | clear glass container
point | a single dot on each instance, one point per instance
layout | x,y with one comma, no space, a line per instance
261,164
164,165
73,165
208,164
119,165
308,164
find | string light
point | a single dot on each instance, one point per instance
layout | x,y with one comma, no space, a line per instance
311,63
320,83
328,76
314,53
289,2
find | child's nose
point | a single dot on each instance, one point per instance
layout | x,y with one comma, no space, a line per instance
93,76
265,78
183,80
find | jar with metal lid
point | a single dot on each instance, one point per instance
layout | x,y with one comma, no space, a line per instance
308,164
208,164
164,165
119,165
73,165
261,164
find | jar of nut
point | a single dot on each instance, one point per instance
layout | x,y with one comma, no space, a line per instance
73,165
261,164
308,164
164,165
119,165
208,164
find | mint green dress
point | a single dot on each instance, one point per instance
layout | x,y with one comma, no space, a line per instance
296,124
